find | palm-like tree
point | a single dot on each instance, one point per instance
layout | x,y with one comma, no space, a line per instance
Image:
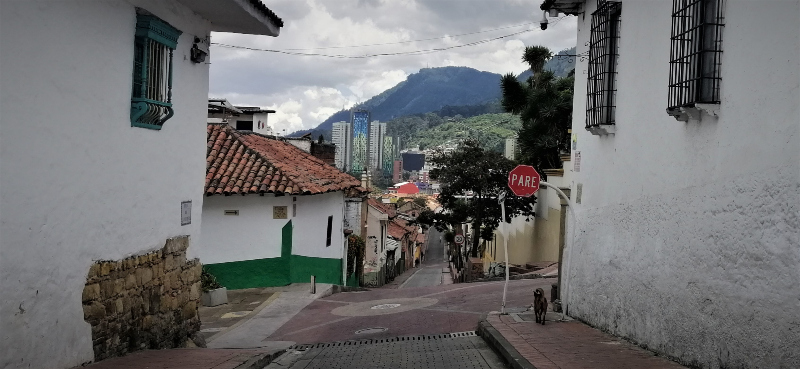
544,104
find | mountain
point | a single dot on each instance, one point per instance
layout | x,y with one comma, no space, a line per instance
428,90
445,91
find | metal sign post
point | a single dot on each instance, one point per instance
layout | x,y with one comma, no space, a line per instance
524,181
504,231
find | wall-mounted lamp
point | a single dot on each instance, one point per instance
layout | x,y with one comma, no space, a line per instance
199,51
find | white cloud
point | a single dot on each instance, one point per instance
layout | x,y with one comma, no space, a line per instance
305,90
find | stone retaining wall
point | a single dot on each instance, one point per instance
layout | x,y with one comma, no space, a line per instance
143,302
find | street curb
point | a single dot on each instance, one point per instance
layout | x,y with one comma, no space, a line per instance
260,361
502,347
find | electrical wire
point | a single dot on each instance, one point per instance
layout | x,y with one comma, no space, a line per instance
365,56
410,41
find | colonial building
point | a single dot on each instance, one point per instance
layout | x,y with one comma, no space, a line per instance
686,183
274,214
101,160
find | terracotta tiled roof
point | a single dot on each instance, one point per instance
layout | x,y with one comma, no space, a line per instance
396,231
398,228
240,163
267,12
383,208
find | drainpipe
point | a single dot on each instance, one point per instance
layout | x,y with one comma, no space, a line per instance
569,205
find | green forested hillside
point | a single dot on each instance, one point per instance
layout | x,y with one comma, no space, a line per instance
489,129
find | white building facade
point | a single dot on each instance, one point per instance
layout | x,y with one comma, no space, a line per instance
377,132
274,213
93,184
686,178
342,137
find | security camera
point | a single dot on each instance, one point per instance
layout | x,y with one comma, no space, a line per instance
543,22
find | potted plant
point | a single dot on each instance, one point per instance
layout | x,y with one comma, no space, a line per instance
213,292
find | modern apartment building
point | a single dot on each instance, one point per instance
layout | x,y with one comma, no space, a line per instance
362,144
342,136
377,132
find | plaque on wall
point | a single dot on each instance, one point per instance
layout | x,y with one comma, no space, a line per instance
280,212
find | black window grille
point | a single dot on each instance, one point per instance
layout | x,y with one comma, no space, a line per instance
695,53
602,70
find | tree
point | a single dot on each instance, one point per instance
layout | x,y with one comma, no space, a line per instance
544,104
321,139
472,178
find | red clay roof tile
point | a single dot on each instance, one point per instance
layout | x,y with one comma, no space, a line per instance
240,163
383,208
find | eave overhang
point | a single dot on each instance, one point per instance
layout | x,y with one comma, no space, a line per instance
569,7
237,16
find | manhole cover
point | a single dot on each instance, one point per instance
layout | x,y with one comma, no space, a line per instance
385,306
212,330
372,330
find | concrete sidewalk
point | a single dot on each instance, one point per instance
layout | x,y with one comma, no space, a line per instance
562,345
252,332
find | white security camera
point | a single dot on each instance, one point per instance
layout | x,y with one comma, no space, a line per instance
543,22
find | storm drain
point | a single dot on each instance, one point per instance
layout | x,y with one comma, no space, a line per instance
426,337
460,350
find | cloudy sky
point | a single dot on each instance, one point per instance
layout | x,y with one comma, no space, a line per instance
305,90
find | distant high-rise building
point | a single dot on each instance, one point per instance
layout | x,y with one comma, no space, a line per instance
511,148
361,131
377,132
397,171
387,158
342,137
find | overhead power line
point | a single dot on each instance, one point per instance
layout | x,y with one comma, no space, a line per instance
410,41
414,52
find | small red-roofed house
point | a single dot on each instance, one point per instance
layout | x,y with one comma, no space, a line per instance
273,213
408,188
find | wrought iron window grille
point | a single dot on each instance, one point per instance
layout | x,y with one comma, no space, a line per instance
570,58
151,98
695,57
601,88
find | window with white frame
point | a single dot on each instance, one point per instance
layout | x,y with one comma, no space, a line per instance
151,98
601,89
695,55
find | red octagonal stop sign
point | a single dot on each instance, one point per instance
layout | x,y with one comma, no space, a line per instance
523,180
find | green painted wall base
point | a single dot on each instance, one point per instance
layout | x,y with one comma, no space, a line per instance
273,272
276,272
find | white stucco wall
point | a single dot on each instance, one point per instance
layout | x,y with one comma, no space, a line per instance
352,218
77,182
262,117
686,237
311,224
375,253
253,234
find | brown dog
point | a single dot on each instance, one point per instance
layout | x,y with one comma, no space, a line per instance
539,305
